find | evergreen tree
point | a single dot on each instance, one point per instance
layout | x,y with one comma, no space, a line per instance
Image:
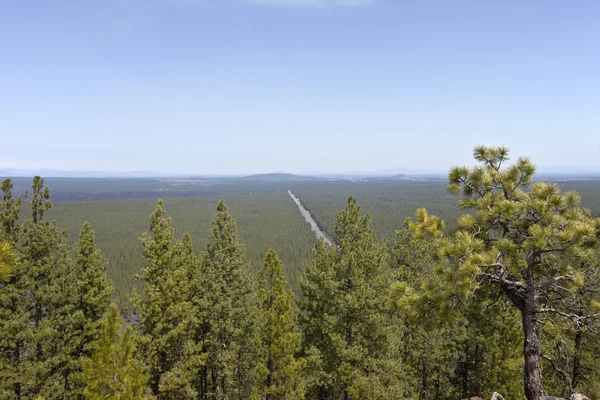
10,208
14,319
279,374
165,307
569,351
228,324
50,307
95,289
428,344
50,287
454,349
345,314
112,371
8,259
528,245
80,318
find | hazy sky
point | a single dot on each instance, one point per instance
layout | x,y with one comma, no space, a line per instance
249,86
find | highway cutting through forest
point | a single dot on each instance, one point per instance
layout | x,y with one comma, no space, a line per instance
310,219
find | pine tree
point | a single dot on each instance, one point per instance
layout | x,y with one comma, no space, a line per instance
532,247
112,371
8,259
165,307
48,280
80,320
570,350
428,344
46,320
10,208
95,289
14,320
278,371
453,348
228,321
345,314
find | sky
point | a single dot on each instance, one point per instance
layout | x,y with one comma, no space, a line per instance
255,86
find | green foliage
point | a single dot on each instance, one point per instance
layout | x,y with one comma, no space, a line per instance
429,341
345,323
228,325
86,299
529,245
95,289
14,319
279,374
8,259
265,214
165,307
570,350
112,371
453,347
49,289
389,202
446,330
264,221
50,306
9,210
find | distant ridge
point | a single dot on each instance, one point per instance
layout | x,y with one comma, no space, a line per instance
280,176
543,172
402,177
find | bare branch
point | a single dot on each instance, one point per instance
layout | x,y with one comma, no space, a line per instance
564,373
578,319
502,280
554,281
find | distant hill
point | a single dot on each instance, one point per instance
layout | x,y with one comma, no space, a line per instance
279,176
402,177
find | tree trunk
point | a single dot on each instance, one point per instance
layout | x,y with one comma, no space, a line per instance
465,372
423,391
269,380
577,360
17,361
214,380
533,369
155,382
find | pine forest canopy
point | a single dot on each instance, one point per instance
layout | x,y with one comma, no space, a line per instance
237,299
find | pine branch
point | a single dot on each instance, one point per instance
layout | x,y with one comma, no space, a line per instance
578,319
501,279
553,281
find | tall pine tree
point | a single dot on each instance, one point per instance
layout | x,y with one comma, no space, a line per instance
95,289
527,241
46,308
14,320
279,373
165,307
345,314
49,280
228,324
86,307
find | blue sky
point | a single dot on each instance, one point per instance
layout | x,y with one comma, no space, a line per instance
250,86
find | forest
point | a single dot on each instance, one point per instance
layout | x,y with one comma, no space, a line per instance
485,284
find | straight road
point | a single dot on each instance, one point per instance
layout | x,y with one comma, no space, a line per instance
310,220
